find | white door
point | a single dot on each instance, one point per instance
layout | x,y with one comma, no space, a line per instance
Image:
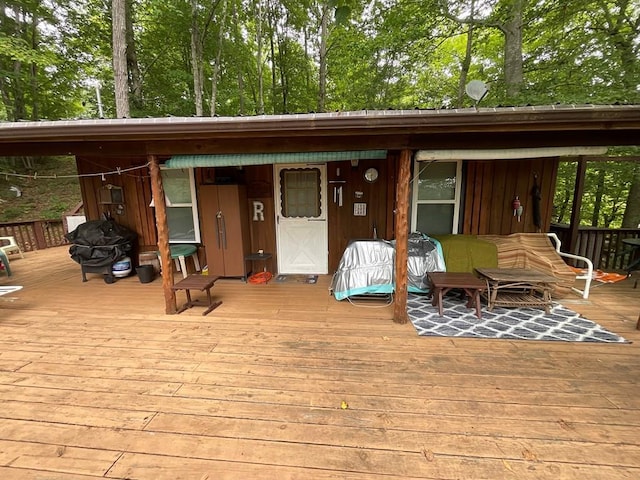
301,218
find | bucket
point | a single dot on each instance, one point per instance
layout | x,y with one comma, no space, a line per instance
121,268
146,273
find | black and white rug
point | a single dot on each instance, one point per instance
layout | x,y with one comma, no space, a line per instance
457,320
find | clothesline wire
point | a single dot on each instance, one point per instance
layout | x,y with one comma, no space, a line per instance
35,176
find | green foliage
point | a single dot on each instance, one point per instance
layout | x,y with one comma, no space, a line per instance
381,54
605,195
42,198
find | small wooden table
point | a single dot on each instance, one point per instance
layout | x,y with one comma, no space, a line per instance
203,283
442,282
256,257
518,287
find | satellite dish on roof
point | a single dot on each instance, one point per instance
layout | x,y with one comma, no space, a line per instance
477,90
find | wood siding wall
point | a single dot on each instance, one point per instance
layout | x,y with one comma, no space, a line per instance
136,213
343,224
491,186
489,189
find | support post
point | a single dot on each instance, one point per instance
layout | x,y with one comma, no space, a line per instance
402,237
157,190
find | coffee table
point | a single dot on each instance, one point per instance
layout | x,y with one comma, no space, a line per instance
203,283
518,287
442,282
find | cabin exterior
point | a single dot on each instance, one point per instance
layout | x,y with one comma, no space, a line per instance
302,186
470,197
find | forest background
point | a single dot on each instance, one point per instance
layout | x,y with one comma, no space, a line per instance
150,58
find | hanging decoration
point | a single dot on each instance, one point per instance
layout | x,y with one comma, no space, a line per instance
517,207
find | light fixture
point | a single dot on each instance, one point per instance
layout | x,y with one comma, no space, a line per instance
371,174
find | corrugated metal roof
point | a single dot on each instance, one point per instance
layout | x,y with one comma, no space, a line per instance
237,160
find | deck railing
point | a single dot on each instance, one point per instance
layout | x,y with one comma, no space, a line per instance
35,235
603,246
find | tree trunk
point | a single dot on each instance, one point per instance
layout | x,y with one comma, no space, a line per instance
260,98
322,76
307,68
631,218
272,54
196,59
564,207
238,41
216,64
33,70
512,29
597,202
466,63
120,75
135,76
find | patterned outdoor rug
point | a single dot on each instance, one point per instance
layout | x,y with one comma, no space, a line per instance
512,323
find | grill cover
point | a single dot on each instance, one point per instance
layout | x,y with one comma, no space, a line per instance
98,243
368,266
425,255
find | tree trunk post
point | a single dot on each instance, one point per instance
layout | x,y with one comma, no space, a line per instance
157,190
402,238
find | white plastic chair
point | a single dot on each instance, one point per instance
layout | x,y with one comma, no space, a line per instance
11,247
587,276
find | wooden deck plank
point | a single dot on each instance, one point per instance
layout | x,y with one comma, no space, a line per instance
56,458
98,374
412,452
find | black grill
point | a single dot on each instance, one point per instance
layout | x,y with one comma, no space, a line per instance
98,244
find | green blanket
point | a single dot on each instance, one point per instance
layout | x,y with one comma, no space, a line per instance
463,253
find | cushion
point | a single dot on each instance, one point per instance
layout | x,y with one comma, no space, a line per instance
534,251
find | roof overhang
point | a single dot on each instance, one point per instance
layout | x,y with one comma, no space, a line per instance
505,127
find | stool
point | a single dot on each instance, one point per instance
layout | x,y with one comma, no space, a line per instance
197,282
178,254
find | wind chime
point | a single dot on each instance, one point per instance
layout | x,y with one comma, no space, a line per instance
517,207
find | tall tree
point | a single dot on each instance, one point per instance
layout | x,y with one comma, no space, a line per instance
631,218
323,51
466,62
218,57
259,19
120,72
133,68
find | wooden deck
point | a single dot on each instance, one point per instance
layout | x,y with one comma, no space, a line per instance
96,382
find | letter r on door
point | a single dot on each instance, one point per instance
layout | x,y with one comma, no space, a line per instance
258,211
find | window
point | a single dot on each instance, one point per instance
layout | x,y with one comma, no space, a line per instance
182,215
300,192
436,197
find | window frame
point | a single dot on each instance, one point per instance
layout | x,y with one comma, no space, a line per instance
193,205
417,167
